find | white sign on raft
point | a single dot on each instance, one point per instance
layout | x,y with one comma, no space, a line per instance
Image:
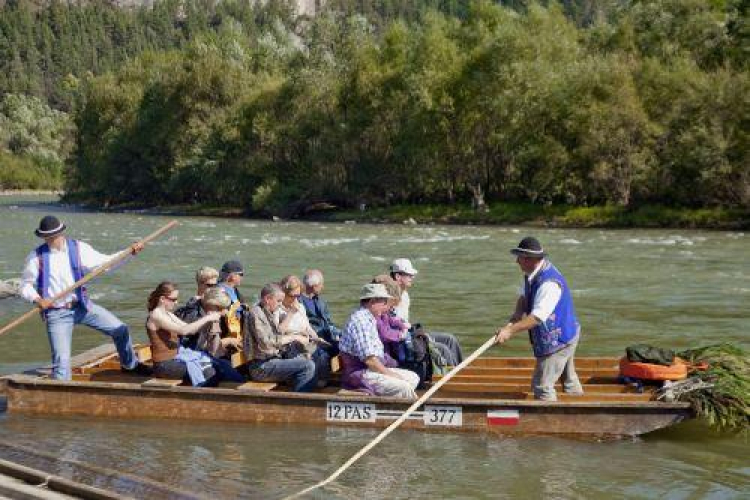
339,411
443,415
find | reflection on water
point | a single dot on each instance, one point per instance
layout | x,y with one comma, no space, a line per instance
672,288
244,461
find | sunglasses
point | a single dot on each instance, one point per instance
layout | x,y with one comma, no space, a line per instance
210,283
171,299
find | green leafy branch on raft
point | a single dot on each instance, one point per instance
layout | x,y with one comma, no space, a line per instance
726,404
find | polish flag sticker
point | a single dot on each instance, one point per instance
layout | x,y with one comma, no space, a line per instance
502,417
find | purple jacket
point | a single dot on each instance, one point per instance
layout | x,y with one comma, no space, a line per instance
390,328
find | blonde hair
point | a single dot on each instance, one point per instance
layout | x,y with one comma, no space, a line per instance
390,285
206,273
290,283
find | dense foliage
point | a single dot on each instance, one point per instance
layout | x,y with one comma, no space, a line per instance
382,102
726,403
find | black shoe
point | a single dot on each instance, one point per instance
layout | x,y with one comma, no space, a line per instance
140,369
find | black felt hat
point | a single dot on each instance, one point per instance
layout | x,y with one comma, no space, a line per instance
49,226
529,247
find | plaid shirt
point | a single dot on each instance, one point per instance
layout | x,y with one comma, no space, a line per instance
360,338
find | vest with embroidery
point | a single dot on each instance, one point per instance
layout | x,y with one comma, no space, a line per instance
562,326
74,256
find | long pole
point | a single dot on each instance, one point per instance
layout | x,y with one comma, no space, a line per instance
490,342
120,257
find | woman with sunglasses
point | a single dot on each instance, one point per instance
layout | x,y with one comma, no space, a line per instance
293,322
164,328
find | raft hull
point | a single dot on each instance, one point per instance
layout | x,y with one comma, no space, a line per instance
30,395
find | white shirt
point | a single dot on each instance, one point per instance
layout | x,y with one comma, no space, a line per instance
60,272
546,297
402,309
298,323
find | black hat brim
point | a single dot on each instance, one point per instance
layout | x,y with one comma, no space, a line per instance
527,253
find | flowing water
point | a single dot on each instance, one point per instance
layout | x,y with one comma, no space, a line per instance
673,288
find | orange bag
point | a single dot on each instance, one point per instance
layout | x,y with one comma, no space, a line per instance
647,371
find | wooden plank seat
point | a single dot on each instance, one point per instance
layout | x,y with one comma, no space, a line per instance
582,372
522,379
581,363
249,386
162,382
515,387
561,396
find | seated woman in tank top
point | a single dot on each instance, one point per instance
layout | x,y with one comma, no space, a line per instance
293,321
172,360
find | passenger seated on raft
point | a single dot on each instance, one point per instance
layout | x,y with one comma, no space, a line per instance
205,278
317,310
365,365
272,360
293,321
392,330
172,360
212,337
403,272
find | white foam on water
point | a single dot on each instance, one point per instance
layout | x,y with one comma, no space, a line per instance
735,236
203,224
245,241
249,224
442,238
570,241
327,242
671,240
423,259
274,240
377,258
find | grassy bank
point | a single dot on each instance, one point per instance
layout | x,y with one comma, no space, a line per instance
555,216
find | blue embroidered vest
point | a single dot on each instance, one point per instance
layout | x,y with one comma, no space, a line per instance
74,255
562,326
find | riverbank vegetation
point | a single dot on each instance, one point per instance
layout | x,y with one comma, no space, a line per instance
575,110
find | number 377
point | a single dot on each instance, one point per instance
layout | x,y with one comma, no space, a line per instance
443,415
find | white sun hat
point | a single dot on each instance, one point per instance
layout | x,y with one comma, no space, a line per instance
403,266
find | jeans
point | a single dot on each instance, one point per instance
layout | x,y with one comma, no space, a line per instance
300,371
60,334
322,361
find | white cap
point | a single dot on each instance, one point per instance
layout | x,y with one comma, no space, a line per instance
374,291
403,266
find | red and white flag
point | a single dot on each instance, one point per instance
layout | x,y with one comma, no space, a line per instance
503,417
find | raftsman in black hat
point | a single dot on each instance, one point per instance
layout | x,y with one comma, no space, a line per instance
529,247
49,226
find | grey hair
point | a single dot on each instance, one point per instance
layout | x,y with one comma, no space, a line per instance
218,297
313,277
271,289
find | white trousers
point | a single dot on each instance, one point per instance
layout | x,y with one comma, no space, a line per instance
385,385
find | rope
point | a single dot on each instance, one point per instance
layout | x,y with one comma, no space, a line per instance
399,421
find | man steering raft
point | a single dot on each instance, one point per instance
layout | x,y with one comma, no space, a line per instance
545,308
52,268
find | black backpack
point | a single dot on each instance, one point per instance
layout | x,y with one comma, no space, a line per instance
414,354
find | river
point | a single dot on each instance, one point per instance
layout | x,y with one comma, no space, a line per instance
672,288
